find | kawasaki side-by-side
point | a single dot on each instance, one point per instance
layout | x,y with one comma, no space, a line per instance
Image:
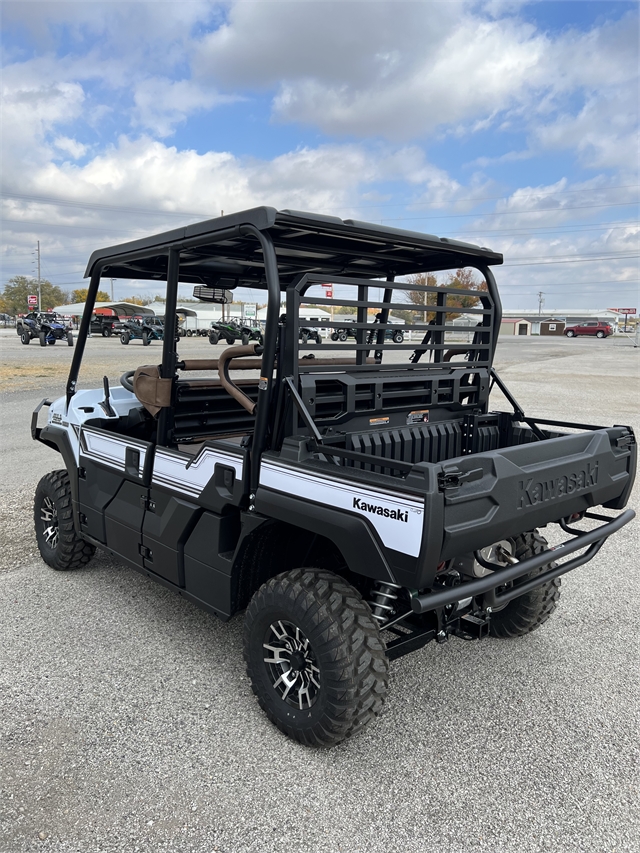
356,500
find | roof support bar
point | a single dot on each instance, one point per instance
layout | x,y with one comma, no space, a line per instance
83,331
261,437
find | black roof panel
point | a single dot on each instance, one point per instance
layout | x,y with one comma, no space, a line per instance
304,242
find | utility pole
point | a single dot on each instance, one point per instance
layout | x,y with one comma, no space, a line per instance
540,302
112,280
37,254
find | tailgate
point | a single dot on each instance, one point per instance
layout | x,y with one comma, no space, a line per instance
488,496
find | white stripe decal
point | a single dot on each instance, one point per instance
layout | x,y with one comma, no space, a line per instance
170,469
109,450
398,519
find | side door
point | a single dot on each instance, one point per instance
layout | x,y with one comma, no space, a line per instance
214,477
113,490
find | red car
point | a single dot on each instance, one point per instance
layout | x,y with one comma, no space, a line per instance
593,327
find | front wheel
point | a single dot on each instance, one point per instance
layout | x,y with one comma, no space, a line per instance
570,334
398,337
43,339
304,338
314,655
145,338
245,340
70,338
214,337
60,546
342,336
125,337
25,337
524,614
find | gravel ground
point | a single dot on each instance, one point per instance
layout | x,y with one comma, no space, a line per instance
128,724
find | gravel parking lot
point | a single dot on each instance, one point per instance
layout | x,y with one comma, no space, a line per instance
128,723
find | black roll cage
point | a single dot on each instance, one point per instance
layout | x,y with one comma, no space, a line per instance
265,273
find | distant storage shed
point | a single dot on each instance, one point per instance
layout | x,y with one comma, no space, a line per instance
552,327
515,326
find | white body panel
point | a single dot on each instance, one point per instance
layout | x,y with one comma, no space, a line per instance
401,529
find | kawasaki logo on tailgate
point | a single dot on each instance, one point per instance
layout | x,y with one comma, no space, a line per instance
398,514
531,492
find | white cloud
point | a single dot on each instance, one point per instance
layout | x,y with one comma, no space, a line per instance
161,103
69,146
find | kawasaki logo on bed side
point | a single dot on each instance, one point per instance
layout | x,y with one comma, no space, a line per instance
397,514
532,493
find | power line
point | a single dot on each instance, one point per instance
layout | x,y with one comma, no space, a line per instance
576,261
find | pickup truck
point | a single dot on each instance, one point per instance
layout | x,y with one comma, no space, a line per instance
356,505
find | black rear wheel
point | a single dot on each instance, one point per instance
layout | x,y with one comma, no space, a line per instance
524,614
314,655
60,546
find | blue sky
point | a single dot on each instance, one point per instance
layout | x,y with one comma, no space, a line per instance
507,123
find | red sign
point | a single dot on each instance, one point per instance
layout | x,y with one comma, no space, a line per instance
623,310
32,300
328,291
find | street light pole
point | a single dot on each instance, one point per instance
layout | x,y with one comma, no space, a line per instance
39,282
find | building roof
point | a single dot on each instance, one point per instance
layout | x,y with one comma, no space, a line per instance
222,253
515,320
123,309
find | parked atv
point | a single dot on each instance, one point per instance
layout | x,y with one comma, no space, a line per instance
146,329
48,327
231,331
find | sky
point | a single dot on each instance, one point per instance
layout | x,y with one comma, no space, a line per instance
504,123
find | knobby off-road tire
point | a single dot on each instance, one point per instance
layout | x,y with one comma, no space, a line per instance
70,339
245,340
214,337
25,337
60,546
145,339
531,610
318,635
124,338
42,337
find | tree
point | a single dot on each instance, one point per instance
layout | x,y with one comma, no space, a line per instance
14,296
80,295
462,279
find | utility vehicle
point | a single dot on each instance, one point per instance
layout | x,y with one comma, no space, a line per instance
308,333
342,333
356,505
231,331
145,329
47,326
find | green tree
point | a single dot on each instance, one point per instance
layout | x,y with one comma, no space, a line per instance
14,295
463,279
80,295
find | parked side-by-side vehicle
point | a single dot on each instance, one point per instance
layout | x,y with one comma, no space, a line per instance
357,500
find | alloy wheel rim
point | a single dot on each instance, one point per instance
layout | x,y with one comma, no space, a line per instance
291,665
49,519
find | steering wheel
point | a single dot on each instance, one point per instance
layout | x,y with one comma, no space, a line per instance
125,380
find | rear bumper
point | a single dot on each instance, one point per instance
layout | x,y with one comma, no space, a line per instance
592,540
